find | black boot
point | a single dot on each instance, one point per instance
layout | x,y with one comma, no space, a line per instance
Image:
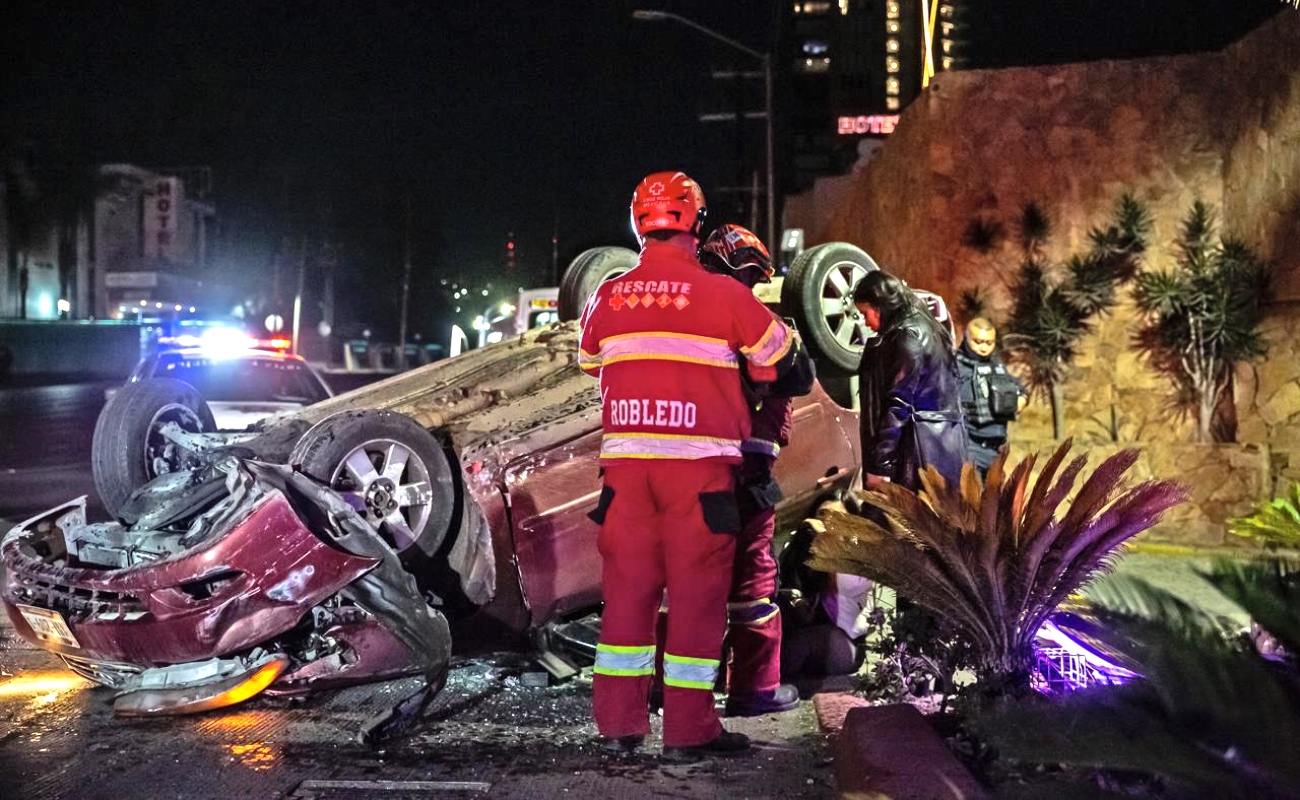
754,704
620,745
727,744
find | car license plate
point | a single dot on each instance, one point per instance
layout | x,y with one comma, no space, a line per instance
48,626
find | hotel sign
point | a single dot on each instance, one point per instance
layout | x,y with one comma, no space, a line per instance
879,124
162,209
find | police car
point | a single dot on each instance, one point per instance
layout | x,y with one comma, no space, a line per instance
241,385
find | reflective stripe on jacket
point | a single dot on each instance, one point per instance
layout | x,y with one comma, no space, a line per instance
666,341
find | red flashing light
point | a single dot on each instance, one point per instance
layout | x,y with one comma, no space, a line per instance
277,343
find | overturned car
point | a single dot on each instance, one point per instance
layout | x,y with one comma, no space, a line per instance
459,491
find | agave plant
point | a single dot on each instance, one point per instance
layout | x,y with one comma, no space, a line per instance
995,560
1210,719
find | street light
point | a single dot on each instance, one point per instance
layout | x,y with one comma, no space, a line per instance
646,15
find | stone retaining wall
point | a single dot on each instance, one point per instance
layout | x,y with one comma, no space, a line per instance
1225,481
1223,127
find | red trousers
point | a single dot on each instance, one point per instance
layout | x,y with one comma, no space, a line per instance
654,536
754,620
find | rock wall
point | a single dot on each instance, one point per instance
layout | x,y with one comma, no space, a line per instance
1225,481
1223,127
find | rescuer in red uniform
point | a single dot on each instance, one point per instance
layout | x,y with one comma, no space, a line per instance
666,340
754,621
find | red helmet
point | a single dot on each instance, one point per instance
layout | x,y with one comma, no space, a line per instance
667,201
738,248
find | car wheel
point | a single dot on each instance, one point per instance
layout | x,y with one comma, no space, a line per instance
818,293
590,269
392,471
128,449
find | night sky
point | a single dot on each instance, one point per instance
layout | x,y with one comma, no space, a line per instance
319,120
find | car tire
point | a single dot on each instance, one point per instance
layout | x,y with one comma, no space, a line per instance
590,269
127,451
392,471
818,293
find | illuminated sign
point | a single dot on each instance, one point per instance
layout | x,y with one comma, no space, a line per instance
160,226
131,280
870,123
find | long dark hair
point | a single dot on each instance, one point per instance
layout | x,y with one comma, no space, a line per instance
891,297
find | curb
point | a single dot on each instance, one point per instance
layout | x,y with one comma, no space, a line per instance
890,751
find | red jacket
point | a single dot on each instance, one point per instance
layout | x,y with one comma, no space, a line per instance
771,423
666,341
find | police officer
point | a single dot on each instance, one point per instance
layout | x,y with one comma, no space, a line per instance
990,396
667,340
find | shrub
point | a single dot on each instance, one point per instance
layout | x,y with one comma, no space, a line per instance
994,561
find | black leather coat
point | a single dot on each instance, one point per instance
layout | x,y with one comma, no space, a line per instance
908,380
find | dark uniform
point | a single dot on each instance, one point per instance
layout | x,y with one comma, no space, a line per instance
986,429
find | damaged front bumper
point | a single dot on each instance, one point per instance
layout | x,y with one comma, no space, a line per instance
94,593
246,578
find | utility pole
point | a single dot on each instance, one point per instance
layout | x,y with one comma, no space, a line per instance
406,287
297,298
765,60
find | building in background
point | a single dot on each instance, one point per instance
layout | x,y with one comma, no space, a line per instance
150,242
121,243
852,67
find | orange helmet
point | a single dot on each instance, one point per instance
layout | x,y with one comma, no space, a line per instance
667,201
737,249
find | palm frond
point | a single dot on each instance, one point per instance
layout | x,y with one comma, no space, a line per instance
1210,716
995,562
1268,589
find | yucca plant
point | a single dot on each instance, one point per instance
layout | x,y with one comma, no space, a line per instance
1210,719
1055,304
1202,317
995,560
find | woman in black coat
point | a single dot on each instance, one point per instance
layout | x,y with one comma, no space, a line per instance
909,388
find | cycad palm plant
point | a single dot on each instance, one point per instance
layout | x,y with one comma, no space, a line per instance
1210,718
994,560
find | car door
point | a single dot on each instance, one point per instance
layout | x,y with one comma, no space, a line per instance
550,494
822,455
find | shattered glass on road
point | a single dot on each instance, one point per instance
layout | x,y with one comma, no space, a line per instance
494,732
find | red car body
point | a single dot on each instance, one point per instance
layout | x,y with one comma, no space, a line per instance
261,588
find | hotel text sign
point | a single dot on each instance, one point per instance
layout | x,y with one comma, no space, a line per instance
160,217
870,123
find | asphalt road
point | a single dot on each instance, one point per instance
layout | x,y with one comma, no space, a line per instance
45,434
491,734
